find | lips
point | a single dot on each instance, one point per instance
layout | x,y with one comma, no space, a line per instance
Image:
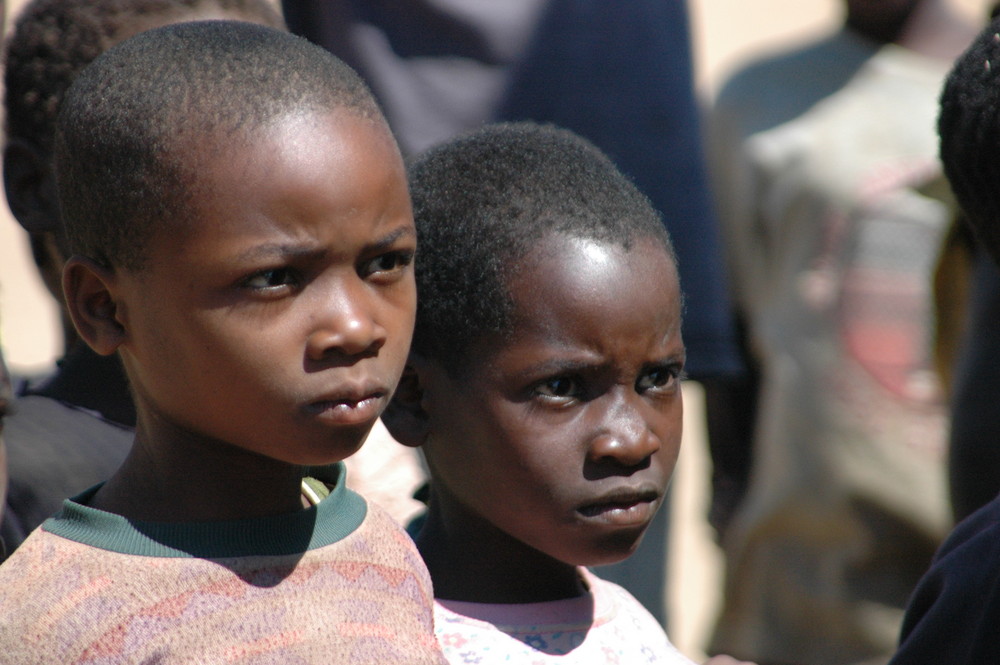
350,406
624,507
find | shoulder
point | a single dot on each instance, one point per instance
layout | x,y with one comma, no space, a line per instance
44,573
627,622
380,545
952,615
782,86
379,526
981,529
50,439
55,451
810,58
48,427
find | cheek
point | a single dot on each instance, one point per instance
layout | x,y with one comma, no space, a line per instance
476,460
669,427
400,311
234,354
547,462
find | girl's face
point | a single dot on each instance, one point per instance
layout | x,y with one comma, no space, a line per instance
564,434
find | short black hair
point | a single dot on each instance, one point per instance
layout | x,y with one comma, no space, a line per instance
136,123
969,126
482,201
53,40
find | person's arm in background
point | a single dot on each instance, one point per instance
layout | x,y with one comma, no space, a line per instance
731,405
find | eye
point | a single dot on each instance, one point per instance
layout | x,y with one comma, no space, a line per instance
661,379
559,389
270,280
386,264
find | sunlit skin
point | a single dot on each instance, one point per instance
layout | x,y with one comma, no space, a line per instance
555,446
270,332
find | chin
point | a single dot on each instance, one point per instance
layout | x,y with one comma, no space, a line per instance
614,549
331,452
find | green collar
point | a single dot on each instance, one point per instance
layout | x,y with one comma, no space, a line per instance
331,520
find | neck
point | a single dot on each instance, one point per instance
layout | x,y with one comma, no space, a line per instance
471,560
185,478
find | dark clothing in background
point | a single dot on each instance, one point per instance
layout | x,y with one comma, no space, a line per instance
63,436
974,450
954,613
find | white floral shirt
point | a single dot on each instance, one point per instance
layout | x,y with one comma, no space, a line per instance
606,625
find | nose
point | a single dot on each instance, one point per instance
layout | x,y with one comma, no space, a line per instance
624,437
345,323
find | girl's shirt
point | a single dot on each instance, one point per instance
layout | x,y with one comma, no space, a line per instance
606,625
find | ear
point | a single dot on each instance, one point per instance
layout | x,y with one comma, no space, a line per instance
405,417
90,299
30,187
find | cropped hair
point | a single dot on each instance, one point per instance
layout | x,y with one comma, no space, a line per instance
139,122
53,40
969,125
482,201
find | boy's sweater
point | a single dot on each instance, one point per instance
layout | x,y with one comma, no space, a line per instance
339,582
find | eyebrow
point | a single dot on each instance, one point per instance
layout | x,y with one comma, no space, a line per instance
276,250
284,250
390,238
555,366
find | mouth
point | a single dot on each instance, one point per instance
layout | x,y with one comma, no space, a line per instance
626,507
350,407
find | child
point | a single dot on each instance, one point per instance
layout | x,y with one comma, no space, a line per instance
952,616
72,430
242,238
544,387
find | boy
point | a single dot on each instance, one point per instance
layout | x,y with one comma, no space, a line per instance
73,429
544,388
243,239
953,614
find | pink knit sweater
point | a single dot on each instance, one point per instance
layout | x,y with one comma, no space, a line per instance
337,583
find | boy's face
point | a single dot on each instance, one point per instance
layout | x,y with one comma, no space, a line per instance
565,436
279,320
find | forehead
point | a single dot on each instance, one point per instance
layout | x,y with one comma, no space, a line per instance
578,270
301,164
584,292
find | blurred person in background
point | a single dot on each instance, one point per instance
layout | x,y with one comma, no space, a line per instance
833,209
